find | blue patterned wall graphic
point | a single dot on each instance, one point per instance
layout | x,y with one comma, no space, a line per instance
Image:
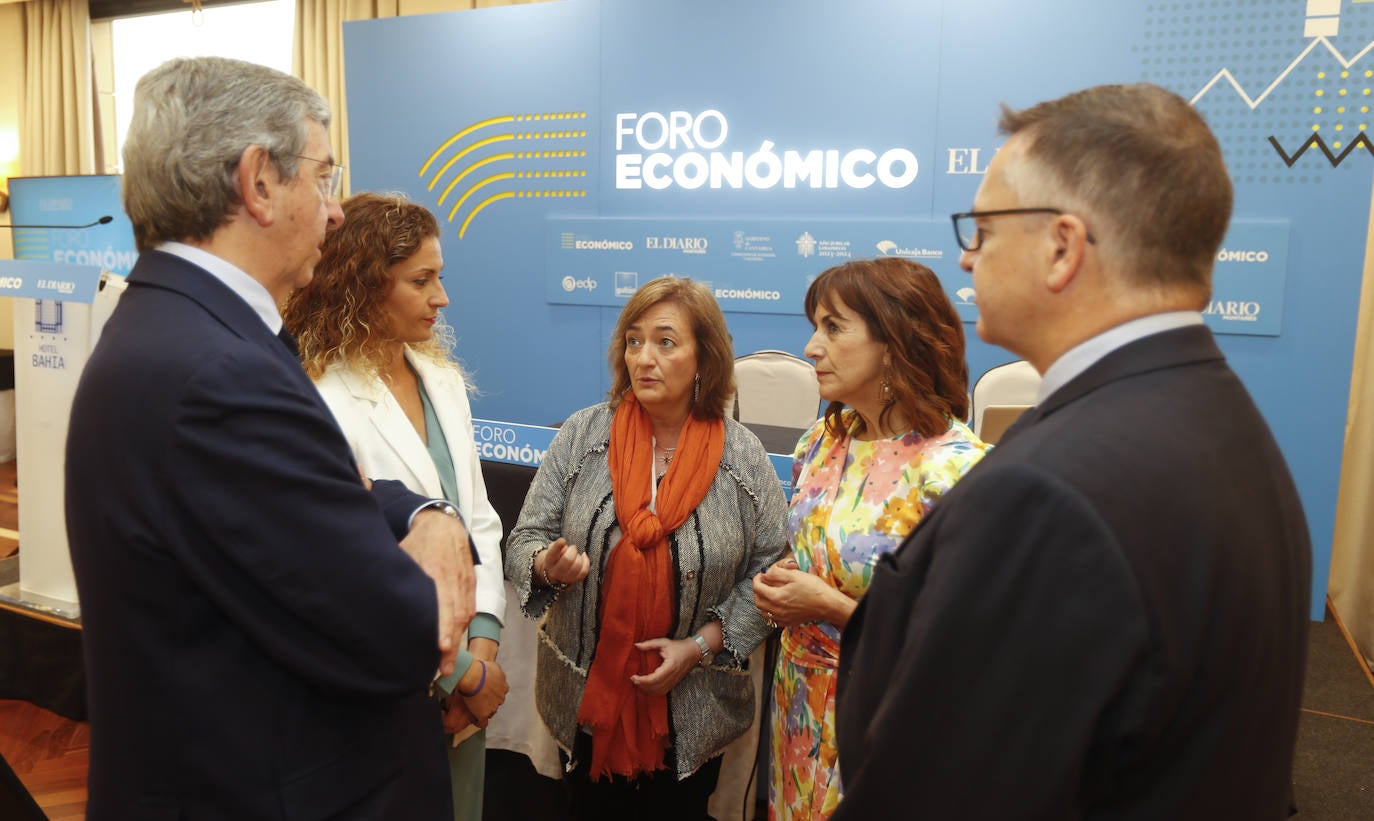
755,144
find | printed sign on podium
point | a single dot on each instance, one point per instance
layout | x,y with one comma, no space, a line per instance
59,310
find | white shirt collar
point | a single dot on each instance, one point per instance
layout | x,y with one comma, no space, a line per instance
233,277
1083,355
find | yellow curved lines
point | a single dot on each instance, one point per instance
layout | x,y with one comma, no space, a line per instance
499,138
463,229
529,128
460,135
449,188
505,195
505,175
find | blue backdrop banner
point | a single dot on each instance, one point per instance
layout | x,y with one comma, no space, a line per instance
573,150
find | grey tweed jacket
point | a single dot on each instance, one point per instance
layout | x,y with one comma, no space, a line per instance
739,529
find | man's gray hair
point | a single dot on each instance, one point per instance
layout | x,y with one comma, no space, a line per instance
193,118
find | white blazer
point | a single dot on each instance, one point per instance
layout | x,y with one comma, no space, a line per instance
387,446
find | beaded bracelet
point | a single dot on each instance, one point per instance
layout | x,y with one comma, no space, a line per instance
544,571
481,682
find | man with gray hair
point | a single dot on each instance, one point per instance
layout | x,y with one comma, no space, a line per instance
260,624
1107,617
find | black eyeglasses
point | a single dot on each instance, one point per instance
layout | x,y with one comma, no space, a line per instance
966,226
332,181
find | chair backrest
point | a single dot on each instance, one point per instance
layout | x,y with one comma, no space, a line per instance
776,388
1010,386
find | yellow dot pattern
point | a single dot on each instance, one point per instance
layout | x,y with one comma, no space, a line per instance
1342,90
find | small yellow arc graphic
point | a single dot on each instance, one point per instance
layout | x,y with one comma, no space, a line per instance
473,167
456,157
507,175
460,135
505,195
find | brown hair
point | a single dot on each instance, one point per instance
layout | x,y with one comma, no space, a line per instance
904,307
1143,166
341,315
715,353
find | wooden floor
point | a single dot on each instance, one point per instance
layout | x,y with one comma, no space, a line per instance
50,754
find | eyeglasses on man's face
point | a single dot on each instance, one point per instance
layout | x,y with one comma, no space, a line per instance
970,238
329,186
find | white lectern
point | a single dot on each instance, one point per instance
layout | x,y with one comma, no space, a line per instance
58,314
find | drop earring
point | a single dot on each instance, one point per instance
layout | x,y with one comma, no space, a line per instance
696,388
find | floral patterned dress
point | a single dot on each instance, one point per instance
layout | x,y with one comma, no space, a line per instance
854,501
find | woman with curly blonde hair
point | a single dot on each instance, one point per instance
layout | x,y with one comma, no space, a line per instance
372,337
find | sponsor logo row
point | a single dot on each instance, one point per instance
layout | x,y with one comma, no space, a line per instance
806,246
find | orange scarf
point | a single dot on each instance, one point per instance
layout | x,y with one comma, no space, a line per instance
629,726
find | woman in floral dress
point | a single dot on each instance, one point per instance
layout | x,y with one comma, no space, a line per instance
889,353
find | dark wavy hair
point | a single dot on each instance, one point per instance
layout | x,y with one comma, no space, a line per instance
905,309
715,353
341,315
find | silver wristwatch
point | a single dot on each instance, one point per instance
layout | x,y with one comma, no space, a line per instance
707,654
445,508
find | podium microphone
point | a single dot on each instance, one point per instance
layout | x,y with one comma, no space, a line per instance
105,220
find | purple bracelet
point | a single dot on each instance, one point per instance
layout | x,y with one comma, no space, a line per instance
480,682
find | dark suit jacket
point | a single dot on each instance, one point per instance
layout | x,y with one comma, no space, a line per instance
256,644
1106,618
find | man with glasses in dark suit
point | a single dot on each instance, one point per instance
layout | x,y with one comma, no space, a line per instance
1107,617
257,643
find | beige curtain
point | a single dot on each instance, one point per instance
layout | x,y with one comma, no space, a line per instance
317,57
1351,586
58,131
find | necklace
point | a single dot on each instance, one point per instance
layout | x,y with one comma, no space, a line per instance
665,455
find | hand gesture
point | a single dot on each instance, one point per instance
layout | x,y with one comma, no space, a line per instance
456,715
560,563
490,694
679,657
787,596
439,545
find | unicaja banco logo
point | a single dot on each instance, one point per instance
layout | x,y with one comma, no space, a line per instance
967,296
888,248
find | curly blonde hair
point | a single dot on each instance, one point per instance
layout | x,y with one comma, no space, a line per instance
341,315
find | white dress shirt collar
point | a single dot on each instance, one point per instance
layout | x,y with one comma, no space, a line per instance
247,288
1083,355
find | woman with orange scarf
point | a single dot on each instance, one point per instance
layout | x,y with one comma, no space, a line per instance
636,546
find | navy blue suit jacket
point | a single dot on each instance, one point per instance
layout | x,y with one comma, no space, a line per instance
256,643
1105,619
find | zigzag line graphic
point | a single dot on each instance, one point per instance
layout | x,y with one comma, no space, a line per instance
1316,140
1225,73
